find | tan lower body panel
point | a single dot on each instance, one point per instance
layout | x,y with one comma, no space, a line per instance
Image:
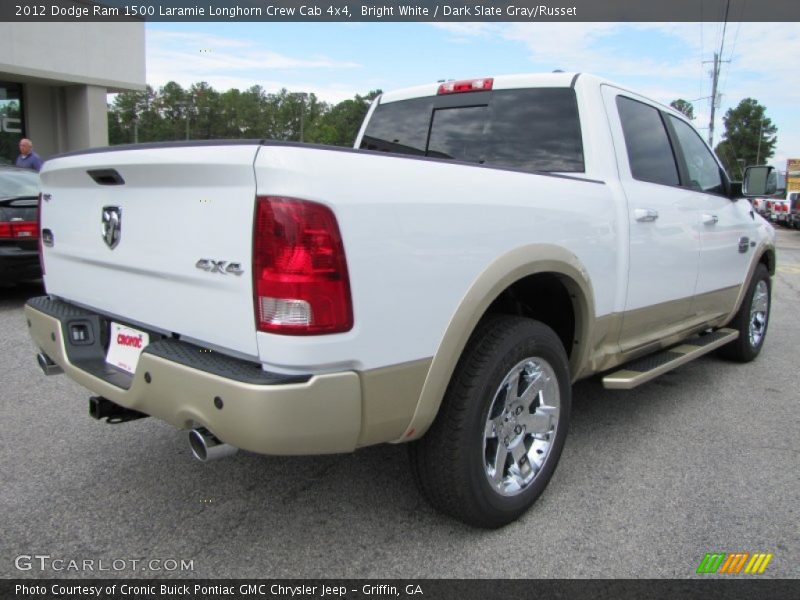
616,341
644,326
716,304
320,416
390,397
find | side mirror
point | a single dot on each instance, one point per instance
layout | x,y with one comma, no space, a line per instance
759,181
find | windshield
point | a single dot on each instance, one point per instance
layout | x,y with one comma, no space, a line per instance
18,182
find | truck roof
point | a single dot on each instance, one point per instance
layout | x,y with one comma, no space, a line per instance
501,82
516,81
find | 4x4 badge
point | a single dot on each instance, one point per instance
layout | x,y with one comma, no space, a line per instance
112,225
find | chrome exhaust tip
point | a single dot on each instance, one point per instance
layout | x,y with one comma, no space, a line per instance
206,446
47,366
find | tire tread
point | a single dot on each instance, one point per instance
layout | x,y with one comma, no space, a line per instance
437,459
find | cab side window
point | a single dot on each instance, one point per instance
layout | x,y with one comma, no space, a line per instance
649,150
704,172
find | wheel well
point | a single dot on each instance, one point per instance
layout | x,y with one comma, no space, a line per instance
768,259
545,297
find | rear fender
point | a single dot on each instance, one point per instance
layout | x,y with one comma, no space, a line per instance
501,274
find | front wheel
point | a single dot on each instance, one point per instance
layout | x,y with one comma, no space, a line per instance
752,319
500,430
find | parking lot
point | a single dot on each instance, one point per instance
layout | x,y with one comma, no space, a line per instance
703,459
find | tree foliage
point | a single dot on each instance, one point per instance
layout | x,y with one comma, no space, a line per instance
683,106
749,137
202,113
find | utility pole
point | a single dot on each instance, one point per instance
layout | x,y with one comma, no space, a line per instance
186,105
715,80
302,96
760,133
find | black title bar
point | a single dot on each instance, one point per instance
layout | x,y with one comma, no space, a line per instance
394,10
405,589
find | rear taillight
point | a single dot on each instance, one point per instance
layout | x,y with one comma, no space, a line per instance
466,85
19,230
300,278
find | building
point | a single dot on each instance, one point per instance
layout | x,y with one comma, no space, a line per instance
54,81
793,175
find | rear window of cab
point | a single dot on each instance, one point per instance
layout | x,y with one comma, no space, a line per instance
535,130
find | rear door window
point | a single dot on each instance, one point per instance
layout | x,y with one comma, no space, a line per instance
533,130
650,153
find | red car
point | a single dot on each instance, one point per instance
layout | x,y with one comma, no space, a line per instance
19,225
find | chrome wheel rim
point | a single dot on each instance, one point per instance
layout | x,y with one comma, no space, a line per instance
520,426
759,311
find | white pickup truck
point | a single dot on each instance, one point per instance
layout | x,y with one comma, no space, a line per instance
487,243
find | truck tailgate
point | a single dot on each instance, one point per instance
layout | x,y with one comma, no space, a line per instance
173,206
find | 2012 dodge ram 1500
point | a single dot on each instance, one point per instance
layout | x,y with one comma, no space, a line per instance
487,243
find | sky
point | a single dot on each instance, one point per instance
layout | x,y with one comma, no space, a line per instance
336,61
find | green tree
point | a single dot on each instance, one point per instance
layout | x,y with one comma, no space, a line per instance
249,112
174,107
131,117
201,112
291,116
340,125
683,106
749,137
205,109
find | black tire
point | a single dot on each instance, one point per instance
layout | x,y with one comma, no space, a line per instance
746,347
451,462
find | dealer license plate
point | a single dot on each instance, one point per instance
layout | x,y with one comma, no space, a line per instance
125,347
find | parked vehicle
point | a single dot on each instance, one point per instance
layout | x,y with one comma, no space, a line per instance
779,211
19,228
487,243
793,201
759,205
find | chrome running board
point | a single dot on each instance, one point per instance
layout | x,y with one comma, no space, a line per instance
649,367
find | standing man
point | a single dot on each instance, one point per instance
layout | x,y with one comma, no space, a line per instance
27,158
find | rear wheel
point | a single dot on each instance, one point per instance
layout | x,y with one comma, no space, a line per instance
500,430
752,319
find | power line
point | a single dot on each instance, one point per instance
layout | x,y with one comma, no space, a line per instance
702,48
733,49
715,81
733,52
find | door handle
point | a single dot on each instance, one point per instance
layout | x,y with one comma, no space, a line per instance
645,214
744,244
710,219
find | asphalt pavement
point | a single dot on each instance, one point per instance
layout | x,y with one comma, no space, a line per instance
703,459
